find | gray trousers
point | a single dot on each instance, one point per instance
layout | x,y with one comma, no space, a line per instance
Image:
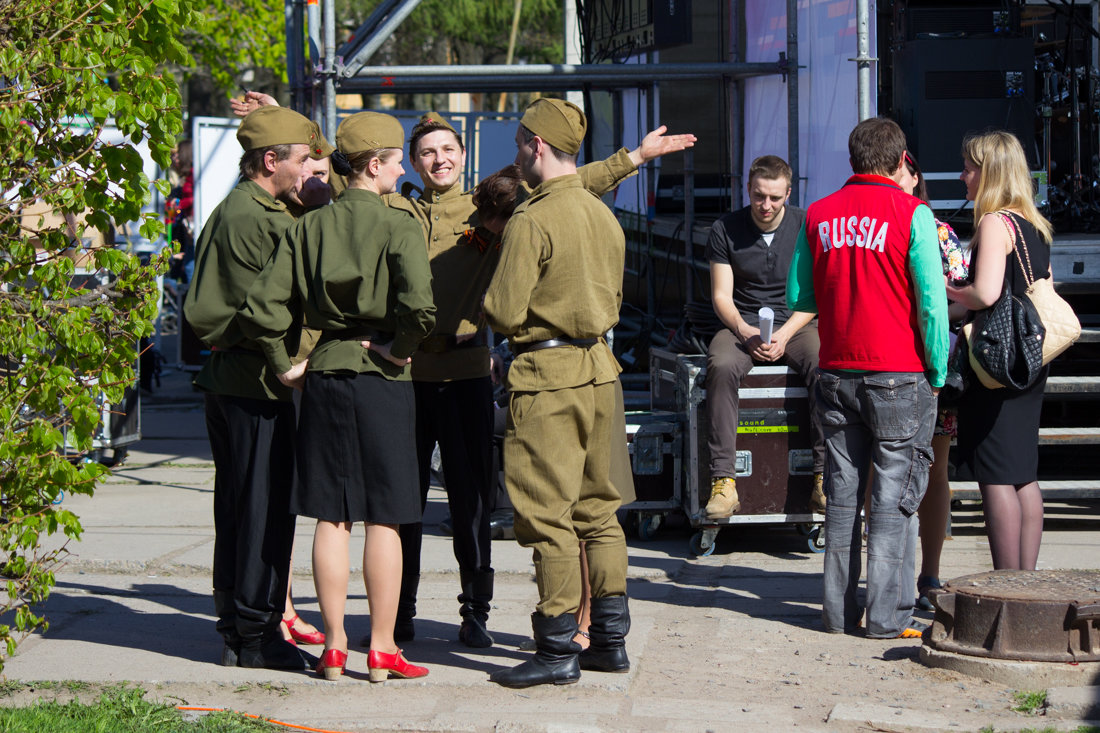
884,419
727,365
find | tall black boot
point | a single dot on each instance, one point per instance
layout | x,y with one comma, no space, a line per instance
225,608
555,659
610,624
269,650
403,629
477,592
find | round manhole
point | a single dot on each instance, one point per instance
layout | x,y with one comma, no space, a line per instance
1043,616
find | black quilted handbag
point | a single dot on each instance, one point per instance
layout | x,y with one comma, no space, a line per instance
1006,342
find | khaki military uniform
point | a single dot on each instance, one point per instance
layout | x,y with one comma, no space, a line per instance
453,390
249,417
560,277
354,270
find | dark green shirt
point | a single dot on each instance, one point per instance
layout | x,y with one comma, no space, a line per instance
238,239
356,269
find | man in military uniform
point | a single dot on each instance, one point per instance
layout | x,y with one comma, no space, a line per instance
555,294
249,413
450,370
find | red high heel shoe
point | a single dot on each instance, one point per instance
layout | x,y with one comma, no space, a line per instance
381,665
305,637
333,664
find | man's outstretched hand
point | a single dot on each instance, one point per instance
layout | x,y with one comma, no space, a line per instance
657,143
250,102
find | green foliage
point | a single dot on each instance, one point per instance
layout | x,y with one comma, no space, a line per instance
237,35
1030,702
68,68
468,31
121,710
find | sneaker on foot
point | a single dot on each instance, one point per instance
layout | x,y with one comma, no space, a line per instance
915,630
723,498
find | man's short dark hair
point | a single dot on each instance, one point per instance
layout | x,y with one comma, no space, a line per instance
561,155
875,146
770,167
252,162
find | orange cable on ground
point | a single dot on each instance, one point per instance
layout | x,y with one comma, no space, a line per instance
258,717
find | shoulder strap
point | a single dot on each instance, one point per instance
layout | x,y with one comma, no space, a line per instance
1027,256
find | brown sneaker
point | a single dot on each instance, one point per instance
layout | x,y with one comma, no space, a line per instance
817,497
723,498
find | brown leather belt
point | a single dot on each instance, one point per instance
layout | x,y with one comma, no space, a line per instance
553,343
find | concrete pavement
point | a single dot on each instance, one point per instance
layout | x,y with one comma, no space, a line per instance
727,642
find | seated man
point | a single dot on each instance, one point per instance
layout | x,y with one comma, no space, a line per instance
750,253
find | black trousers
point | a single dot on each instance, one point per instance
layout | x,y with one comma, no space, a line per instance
459,416
253,446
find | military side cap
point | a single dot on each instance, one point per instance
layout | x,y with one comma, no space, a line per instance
560,123
434,118
369,131
320,147
270,125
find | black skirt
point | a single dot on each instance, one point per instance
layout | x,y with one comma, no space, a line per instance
357,450
999,433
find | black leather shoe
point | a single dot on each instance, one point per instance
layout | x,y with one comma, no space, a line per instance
230,655
477,593
270,653
446,527
555,658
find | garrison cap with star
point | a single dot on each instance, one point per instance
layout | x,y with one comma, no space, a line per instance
560,123
270,125
320,147
365,131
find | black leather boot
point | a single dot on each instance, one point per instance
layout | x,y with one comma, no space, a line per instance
477,592
226,610
555,659
610,624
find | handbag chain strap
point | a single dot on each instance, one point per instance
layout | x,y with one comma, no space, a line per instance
1020,245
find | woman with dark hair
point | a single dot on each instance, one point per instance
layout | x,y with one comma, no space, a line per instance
999,428
354,270
936,505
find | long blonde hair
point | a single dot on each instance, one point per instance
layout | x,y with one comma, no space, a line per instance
1005,181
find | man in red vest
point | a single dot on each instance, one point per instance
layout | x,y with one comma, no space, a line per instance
867,262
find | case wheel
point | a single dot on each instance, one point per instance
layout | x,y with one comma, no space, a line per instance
703,542
648,524
815,539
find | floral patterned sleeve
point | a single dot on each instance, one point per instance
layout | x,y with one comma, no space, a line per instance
956,260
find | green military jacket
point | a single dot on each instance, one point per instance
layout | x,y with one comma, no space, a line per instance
353,270
463,258
232,249
560,275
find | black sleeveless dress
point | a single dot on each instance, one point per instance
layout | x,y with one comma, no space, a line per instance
999,428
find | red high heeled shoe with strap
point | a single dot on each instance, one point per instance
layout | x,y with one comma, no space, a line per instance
381,666
333,664
304,637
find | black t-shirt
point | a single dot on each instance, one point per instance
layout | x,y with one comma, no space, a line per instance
759,269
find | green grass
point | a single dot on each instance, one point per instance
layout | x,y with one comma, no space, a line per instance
1050,729
121,710
1029,702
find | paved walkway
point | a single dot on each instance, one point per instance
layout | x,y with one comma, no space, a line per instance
727,642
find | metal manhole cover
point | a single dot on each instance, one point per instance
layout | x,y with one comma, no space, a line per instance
1042,616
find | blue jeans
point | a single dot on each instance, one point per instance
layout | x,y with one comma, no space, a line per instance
884,419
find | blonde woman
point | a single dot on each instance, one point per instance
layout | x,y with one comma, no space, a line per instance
999,428
357,271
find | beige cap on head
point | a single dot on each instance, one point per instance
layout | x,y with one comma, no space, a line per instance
437,119
560,123
270,125
321,147
369,131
